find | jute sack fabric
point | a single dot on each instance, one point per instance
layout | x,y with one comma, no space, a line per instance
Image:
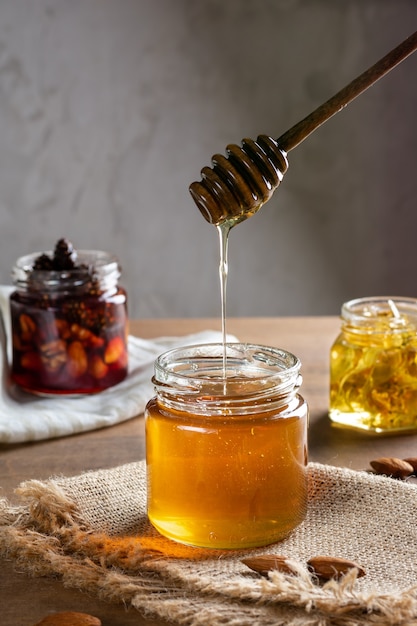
93,533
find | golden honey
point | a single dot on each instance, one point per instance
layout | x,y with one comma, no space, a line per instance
227,457
373,366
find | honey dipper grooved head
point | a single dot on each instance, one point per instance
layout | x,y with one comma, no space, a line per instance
238,185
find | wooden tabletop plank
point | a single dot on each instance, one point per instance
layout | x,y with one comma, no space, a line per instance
25,600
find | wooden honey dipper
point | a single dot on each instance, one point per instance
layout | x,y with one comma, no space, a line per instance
240,183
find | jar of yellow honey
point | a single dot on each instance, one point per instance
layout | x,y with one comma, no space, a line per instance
373,366
226,446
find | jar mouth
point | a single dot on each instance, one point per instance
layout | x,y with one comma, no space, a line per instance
380,314
253,372
94,264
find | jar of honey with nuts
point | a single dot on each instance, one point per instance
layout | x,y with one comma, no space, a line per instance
69,322
226,446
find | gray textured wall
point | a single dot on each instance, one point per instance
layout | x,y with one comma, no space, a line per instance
110,108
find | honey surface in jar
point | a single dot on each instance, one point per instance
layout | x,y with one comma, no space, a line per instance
227,479
373,370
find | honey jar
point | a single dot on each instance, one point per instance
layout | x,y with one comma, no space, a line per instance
373,366
69,322
226,446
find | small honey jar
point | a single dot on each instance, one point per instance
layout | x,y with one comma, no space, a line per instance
69,322
373,366
226,446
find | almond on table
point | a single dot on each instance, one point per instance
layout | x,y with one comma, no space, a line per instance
327,567
412,461
69,618
391,466
268,563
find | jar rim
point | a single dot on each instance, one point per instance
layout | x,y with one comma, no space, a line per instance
96,263
194,369
393,313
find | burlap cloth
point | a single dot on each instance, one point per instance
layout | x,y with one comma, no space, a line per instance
92,532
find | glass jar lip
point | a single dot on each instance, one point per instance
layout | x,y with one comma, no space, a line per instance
393,313
190,369
96,264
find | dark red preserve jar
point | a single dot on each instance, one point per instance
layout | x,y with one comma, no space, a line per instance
69,327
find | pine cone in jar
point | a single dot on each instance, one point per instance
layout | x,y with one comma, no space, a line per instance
64,255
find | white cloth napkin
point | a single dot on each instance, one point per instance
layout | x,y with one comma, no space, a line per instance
25,417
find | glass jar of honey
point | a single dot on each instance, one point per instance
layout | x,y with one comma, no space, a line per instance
226,446
69,326
373,366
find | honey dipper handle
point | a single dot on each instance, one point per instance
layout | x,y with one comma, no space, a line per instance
295,135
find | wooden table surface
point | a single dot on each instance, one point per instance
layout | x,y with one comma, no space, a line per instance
24,601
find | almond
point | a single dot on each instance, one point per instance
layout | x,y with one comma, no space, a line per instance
97,368
267,563
86,336
328,567
390,466
114,351
413,462
77,359
69,618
